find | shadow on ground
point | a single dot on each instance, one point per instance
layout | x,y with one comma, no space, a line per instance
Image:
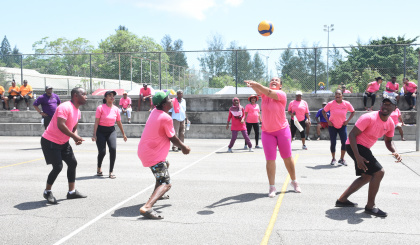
351,215
35,205
134,211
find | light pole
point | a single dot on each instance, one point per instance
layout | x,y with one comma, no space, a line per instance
328,28
266,62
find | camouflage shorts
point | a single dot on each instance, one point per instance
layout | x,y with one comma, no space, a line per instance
160,171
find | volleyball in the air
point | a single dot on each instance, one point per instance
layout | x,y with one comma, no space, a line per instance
265,28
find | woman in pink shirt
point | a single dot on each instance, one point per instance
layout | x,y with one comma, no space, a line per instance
275,131
104,131
237,113
252,116
410,91
398,121
391,88
299,108
337,124
371,90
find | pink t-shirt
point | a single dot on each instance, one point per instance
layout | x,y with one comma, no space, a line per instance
395,115
372,128
274,112
145,92
68,112
300,108
107,115
338,112
236,122
373,87
346,92
393,86
410,87
253,112
154,142
125,102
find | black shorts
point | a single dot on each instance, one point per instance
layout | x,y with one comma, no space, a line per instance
55,153
160,171
27,98
18,98
373,165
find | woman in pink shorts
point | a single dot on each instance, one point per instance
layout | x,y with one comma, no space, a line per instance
275,131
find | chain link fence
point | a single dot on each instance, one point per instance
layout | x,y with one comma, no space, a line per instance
310,70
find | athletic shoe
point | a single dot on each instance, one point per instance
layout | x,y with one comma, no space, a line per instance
295,185
345,204
376,212
333,162
230,150
251,150
258,147
245,147
307,138
27,108
342,162
272,192
50,197
75,195
304,147
319,138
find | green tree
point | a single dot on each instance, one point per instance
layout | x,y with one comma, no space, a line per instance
174,52
213,62
5,52
258,69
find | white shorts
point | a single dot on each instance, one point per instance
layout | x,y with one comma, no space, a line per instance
398,125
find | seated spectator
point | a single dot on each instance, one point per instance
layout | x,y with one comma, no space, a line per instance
391,89
3,98
49,102
370,91
145,94
26,93
321,121
14,95
410,91
125,106
345,91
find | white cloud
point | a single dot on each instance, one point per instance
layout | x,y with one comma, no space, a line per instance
191,8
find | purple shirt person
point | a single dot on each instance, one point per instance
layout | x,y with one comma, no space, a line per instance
49,102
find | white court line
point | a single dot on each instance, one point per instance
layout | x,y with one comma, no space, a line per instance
62,240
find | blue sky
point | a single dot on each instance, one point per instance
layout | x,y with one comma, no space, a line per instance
195,21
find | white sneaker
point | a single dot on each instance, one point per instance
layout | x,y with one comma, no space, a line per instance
251,150
295,185
333,162
14,108
27,108
304,147
272,192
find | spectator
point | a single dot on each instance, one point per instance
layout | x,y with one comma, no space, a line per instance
14,94
299,108
236,113
391,89
370,91
410,91
398,121
125,106
49,102
345,91
308,126
145,94
3,98
179,116
252,115
321,121
26,93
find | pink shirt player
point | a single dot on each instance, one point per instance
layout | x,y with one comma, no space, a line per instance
410,87
125,102
68,112
253,113
393,86
300,108
107,115
395,115
338,112
274,115
373,87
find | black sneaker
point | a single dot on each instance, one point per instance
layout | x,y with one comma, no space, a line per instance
345,204
342,162
376,212
75,195
50,197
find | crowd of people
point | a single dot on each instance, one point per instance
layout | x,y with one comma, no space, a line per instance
167,124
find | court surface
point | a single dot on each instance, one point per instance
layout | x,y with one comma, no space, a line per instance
216,198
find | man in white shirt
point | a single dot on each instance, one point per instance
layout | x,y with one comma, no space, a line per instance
179,116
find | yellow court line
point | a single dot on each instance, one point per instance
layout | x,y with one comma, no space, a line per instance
277,208
34,160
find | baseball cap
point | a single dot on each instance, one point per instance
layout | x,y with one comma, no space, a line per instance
393,100
125,92
324,103
298,92
110,92
159,97
48,87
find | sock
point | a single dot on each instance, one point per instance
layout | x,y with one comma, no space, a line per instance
272,186
71,192
294,181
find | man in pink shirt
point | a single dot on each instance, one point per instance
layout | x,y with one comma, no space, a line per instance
410,94
145,94
125,106
371,90
369,127
392,88
55,143
154,147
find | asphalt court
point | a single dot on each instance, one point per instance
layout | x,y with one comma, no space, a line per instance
216,197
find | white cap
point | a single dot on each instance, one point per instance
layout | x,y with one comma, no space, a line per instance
298,92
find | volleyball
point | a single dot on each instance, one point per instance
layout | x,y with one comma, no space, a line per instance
265,28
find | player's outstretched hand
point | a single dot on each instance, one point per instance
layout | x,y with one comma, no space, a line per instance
397,156
361,163
186,150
